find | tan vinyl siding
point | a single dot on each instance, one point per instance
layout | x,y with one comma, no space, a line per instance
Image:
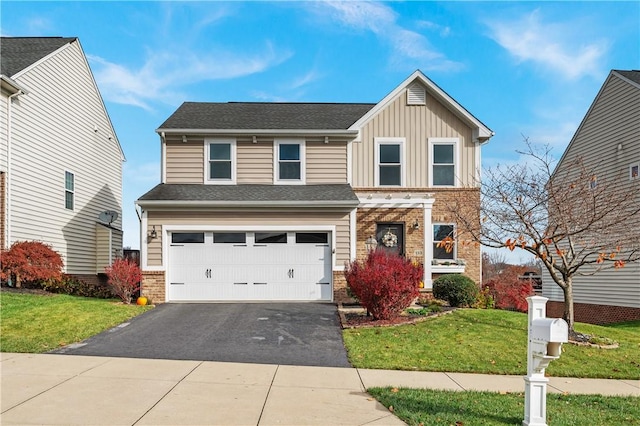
185,161
326,163
255,161
415,123
255,218
53,132
612,120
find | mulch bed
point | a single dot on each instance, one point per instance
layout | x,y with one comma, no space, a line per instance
359,319
24,290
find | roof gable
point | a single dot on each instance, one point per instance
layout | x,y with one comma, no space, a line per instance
481,132
18,53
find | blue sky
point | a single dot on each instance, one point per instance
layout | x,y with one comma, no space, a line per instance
523,68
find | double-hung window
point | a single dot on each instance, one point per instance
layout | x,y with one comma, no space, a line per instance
443,161
440,233
221,156
69,190
289,167
634,171
389,158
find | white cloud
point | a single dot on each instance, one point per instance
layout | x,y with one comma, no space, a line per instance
382,21
143,173
164,73
557,46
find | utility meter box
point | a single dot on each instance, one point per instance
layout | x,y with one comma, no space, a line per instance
549,330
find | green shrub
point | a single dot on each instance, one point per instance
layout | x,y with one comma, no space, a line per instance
77,287
457,289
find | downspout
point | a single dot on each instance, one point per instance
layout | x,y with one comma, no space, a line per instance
7,207
162,158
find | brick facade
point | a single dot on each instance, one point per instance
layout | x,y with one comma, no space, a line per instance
153,286
595,314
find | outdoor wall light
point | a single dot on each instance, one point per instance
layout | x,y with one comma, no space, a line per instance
371,243
416,224
153,234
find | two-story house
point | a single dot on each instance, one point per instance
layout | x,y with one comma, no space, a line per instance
60,159
608,140
267,201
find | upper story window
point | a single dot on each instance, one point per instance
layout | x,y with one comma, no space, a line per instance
443,161
221,159
634,171
289,167
443,232
69,190
389,162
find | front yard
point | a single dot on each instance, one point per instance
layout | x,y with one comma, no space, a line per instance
491,342
37,323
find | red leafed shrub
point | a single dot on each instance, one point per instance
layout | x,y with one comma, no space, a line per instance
30,261
124,278
384,283
509,292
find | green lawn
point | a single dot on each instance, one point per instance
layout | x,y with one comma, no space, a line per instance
488,341
40,323
431,407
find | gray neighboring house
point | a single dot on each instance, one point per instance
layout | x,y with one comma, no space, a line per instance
60,158
267,201
609,137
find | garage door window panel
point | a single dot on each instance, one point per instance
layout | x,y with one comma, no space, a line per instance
271,238
187,237
312,238
229,238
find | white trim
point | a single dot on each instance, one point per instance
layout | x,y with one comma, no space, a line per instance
73,191
455,239
350,162
353,234
378,141
428,246
631,166
163,159
249,228
143,241
456,155
483,131
276,160
248,203
233,153
623,78
270,132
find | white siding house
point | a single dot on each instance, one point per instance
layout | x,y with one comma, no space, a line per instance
60,159
609,137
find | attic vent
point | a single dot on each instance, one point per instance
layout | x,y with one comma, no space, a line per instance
416,94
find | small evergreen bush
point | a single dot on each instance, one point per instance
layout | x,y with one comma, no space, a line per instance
384,283
457,289
77,287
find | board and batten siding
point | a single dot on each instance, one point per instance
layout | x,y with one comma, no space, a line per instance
415,123
53,132
248,218
611,121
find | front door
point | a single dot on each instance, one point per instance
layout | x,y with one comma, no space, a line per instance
390,237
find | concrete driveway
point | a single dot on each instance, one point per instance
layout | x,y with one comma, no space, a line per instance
266,333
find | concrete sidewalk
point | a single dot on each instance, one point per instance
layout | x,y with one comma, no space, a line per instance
73,390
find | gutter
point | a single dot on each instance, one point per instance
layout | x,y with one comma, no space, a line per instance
251,132
300,204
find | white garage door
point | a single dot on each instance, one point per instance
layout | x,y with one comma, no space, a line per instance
213,266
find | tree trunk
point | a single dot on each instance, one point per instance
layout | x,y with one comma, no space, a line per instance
568,304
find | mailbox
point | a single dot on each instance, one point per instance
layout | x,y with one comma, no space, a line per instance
550,330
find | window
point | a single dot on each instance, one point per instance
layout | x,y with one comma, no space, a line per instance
443,161
593,182
440,232
69,190
634,171
289,161
389,160
187,237
229,237
312,238
271,237
220,161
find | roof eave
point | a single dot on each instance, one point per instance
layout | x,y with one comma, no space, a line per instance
271,132
11,85
250,203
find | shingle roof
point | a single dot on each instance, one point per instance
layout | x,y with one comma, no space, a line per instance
17,53
633,75
259,115
253,194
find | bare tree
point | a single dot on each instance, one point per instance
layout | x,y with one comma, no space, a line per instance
574,221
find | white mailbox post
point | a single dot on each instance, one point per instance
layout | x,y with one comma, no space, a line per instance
546,336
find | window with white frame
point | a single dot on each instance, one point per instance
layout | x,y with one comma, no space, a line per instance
221,158
289,164
69,190
634,171
441,232
443,161
389,159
